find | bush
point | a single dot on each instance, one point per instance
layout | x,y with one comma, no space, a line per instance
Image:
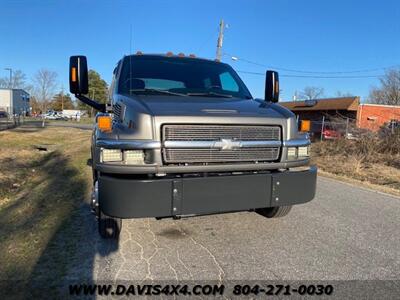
370,147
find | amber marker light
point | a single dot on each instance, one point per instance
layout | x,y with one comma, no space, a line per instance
73,74
104,123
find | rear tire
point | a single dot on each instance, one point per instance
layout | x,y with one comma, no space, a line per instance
274,212
109,227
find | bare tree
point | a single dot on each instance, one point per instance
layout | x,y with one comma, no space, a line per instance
389,90
343,94
45,82
18,80
312,92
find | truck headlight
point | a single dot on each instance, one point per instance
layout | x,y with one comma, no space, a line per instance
111,155
292,153
134,157
303,151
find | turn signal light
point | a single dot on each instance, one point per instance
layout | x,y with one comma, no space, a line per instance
73,74
104,123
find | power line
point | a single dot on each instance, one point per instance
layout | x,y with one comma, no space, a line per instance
306,71
314,76
208,39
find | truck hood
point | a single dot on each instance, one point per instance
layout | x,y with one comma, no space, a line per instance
203,106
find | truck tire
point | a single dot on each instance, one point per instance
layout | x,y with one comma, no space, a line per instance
274,212
109,227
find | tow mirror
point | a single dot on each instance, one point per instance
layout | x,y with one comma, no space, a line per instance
78,75
79,83
272,86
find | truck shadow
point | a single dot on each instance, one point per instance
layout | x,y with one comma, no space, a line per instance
58,215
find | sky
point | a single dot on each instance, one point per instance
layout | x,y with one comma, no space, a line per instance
308,36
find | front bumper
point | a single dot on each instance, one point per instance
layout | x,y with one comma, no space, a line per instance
168,197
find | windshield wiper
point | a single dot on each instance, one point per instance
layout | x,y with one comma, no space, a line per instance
207,94
157,91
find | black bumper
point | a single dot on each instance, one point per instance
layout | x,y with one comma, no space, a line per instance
132,198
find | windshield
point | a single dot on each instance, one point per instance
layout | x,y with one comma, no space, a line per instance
175,76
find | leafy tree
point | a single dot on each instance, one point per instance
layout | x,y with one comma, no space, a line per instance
389,91
98,90
61,101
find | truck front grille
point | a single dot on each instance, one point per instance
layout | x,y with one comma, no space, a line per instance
217,132
220,156
197,133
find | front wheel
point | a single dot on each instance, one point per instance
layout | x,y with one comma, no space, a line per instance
109,227
274,212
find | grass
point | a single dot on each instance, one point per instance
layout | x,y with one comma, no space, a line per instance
40,193
371,160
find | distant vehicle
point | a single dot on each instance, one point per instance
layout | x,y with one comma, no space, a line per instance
389,128
357,133
330,134
3,114
72,113
54,116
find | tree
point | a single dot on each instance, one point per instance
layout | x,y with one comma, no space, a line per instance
61,101
389,91
35,105
312,92
44,86
18,80
98,90
344,94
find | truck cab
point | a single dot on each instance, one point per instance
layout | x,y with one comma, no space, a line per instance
183,136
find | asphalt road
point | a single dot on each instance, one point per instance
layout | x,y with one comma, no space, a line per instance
344,233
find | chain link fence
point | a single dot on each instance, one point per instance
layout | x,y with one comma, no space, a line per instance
331,128
10,120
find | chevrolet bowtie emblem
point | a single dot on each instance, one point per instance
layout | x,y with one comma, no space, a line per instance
227,144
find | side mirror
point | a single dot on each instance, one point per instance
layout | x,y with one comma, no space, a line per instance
272,86
78,75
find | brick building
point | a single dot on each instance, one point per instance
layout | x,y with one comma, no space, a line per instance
374,116
346,110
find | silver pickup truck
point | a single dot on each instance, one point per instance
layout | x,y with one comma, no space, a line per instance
182,136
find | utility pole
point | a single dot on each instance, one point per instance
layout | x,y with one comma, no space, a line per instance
220,40
10,70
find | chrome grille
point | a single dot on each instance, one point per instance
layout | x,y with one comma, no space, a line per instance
217,132
220,156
